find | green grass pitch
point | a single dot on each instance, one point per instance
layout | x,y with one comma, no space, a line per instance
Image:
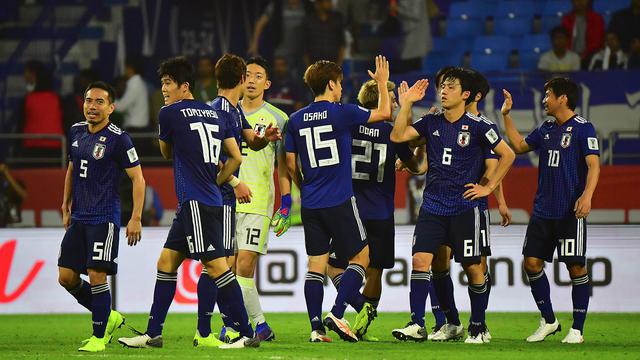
607,336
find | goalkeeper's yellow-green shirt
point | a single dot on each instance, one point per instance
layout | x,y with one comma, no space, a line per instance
258,166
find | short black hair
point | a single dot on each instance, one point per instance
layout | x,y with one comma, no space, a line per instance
558,30
230,70
440,74
564,86
104,86
44,75
480,85
466,81
318,75
180,70
260,61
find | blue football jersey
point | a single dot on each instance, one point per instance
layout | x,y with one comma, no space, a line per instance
98,161
196,133
562,169
321,136
236,122
455,153
483,202
373,158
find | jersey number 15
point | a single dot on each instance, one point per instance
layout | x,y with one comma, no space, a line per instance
314,142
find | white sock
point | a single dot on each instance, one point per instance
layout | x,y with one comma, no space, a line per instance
251,300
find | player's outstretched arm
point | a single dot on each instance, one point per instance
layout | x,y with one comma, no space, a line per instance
518,143
583,204
381,76
66,197
256,142
418,164
134,227
166,150
233,161
507,157
402,131
293,169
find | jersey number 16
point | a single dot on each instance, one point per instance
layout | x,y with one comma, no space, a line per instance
210,145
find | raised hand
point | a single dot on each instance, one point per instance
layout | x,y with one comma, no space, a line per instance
382,70
414,93
272,133
507,104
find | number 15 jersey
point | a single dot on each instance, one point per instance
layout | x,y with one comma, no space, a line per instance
321,136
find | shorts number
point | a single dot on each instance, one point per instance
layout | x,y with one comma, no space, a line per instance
467,248
446,156
83,168
253,236
98,251
483,233
567,247
190,243
210,145
320,144
554,158
366,158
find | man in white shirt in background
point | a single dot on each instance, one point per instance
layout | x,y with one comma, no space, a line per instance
134,103
559,58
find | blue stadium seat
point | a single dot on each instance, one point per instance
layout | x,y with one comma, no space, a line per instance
478,9
435,60
556,8
459,27
549,22
537,43
492,43
451,44
487,62
606,8
516,8
514,26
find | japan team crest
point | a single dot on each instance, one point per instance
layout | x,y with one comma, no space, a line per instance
98,151
463,138
566,140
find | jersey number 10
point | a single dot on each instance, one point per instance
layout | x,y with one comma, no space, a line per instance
210,145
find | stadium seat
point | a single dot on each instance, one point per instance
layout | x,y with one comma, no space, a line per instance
516,8
557,8
461,28
514,26
489,61
530,49
549,22
449,45
435,60
606,8
471,9
492,43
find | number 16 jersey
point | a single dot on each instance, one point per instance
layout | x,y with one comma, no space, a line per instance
321,136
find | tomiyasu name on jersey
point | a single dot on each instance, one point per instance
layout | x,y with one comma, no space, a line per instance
258,166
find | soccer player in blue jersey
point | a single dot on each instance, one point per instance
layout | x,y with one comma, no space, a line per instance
319,137
442,278
568,170
449,215
373,174
230,72
98,152
193,136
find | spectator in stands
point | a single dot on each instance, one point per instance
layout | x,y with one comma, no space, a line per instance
206,88
626,23
586,29
634,54
611,56
356,14
285,92
416,39
72,104
134,103
286,19
559,58
324,37
12,194
41,112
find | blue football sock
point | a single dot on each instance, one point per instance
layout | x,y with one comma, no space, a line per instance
349,291
438,314
477,295
230,297
542,295
419,290
443,285
163,295
207,294
580,292
82,293
487,280
101,308
356,302
313,294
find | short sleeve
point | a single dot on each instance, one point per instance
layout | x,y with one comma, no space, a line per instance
589,140
281,121
488,153
289,140
490,137
225,125
355,115
70,144
533,139
127,155
164,126
404,152
421,126
243,120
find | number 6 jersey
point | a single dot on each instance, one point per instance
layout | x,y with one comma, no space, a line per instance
321,136
196,132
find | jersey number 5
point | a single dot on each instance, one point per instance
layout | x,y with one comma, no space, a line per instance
210,145
314,142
